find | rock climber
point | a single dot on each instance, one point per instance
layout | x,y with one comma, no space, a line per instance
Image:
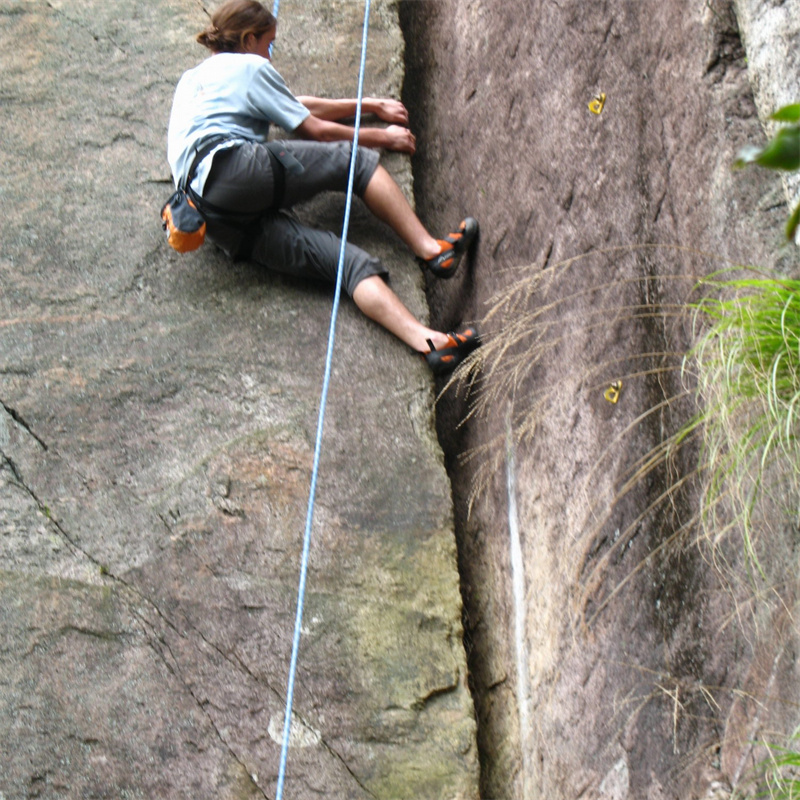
245,185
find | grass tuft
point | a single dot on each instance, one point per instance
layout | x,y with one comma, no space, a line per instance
720,380
747,363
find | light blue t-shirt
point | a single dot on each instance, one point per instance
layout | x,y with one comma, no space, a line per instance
237,95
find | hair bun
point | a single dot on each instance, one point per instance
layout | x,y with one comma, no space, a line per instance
232,22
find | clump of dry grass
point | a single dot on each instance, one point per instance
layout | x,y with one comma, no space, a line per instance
530,321
731,393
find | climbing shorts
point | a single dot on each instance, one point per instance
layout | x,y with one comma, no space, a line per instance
242,182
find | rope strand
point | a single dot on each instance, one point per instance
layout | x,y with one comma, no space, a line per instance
287,719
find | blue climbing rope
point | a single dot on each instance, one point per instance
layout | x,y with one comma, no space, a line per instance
287,719
275,6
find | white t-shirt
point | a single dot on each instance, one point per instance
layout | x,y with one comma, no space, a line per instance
237,95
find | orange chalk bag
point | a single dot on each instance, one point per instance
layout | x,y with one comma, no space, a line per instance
181,220
183,224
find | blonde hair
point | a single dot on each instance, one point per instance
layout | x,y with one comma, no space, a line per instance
233,22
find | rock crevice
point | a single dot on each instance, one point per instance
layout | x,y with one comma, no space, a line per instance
597,225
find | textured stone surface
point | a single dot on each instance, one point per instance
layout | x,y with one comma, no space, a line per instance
771,34
157,416
638,671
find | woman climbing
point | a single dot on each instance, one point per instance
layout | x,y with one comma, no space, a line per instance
218,146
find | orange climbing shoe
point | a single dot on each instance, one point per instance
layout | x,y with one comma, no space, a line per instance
454,245
447,358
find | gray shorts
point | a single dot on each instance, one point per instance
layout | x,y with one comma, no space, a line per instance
241,181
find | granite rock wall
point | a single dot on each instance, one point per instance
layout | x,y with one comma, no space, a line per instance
610,656
157,423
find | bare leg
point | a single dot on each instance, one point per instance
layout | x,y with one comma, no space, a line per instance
382,305
386,201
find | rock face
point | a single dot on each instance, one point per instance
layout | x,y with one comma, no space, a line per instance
770,32
610,657
157,422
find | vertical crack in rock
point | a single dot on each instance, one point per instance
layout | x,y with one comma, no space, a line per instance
347,767
45,511
173,665
23,424
651,173
130,588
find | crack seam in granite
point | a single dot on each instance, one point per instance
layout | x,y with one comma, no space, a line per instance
344,763
234,660
173,665
148,601
18,418
43,509
134,590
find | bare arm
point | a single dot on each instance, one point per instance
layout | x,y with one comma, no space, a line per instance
394,137
392,111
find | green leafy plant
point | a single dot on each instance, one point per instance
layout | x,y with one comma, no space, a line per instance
782,153
747,362
748,366
781,771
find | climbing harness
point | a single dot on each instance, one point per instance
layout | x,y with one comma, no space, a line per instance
183,216
287,718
